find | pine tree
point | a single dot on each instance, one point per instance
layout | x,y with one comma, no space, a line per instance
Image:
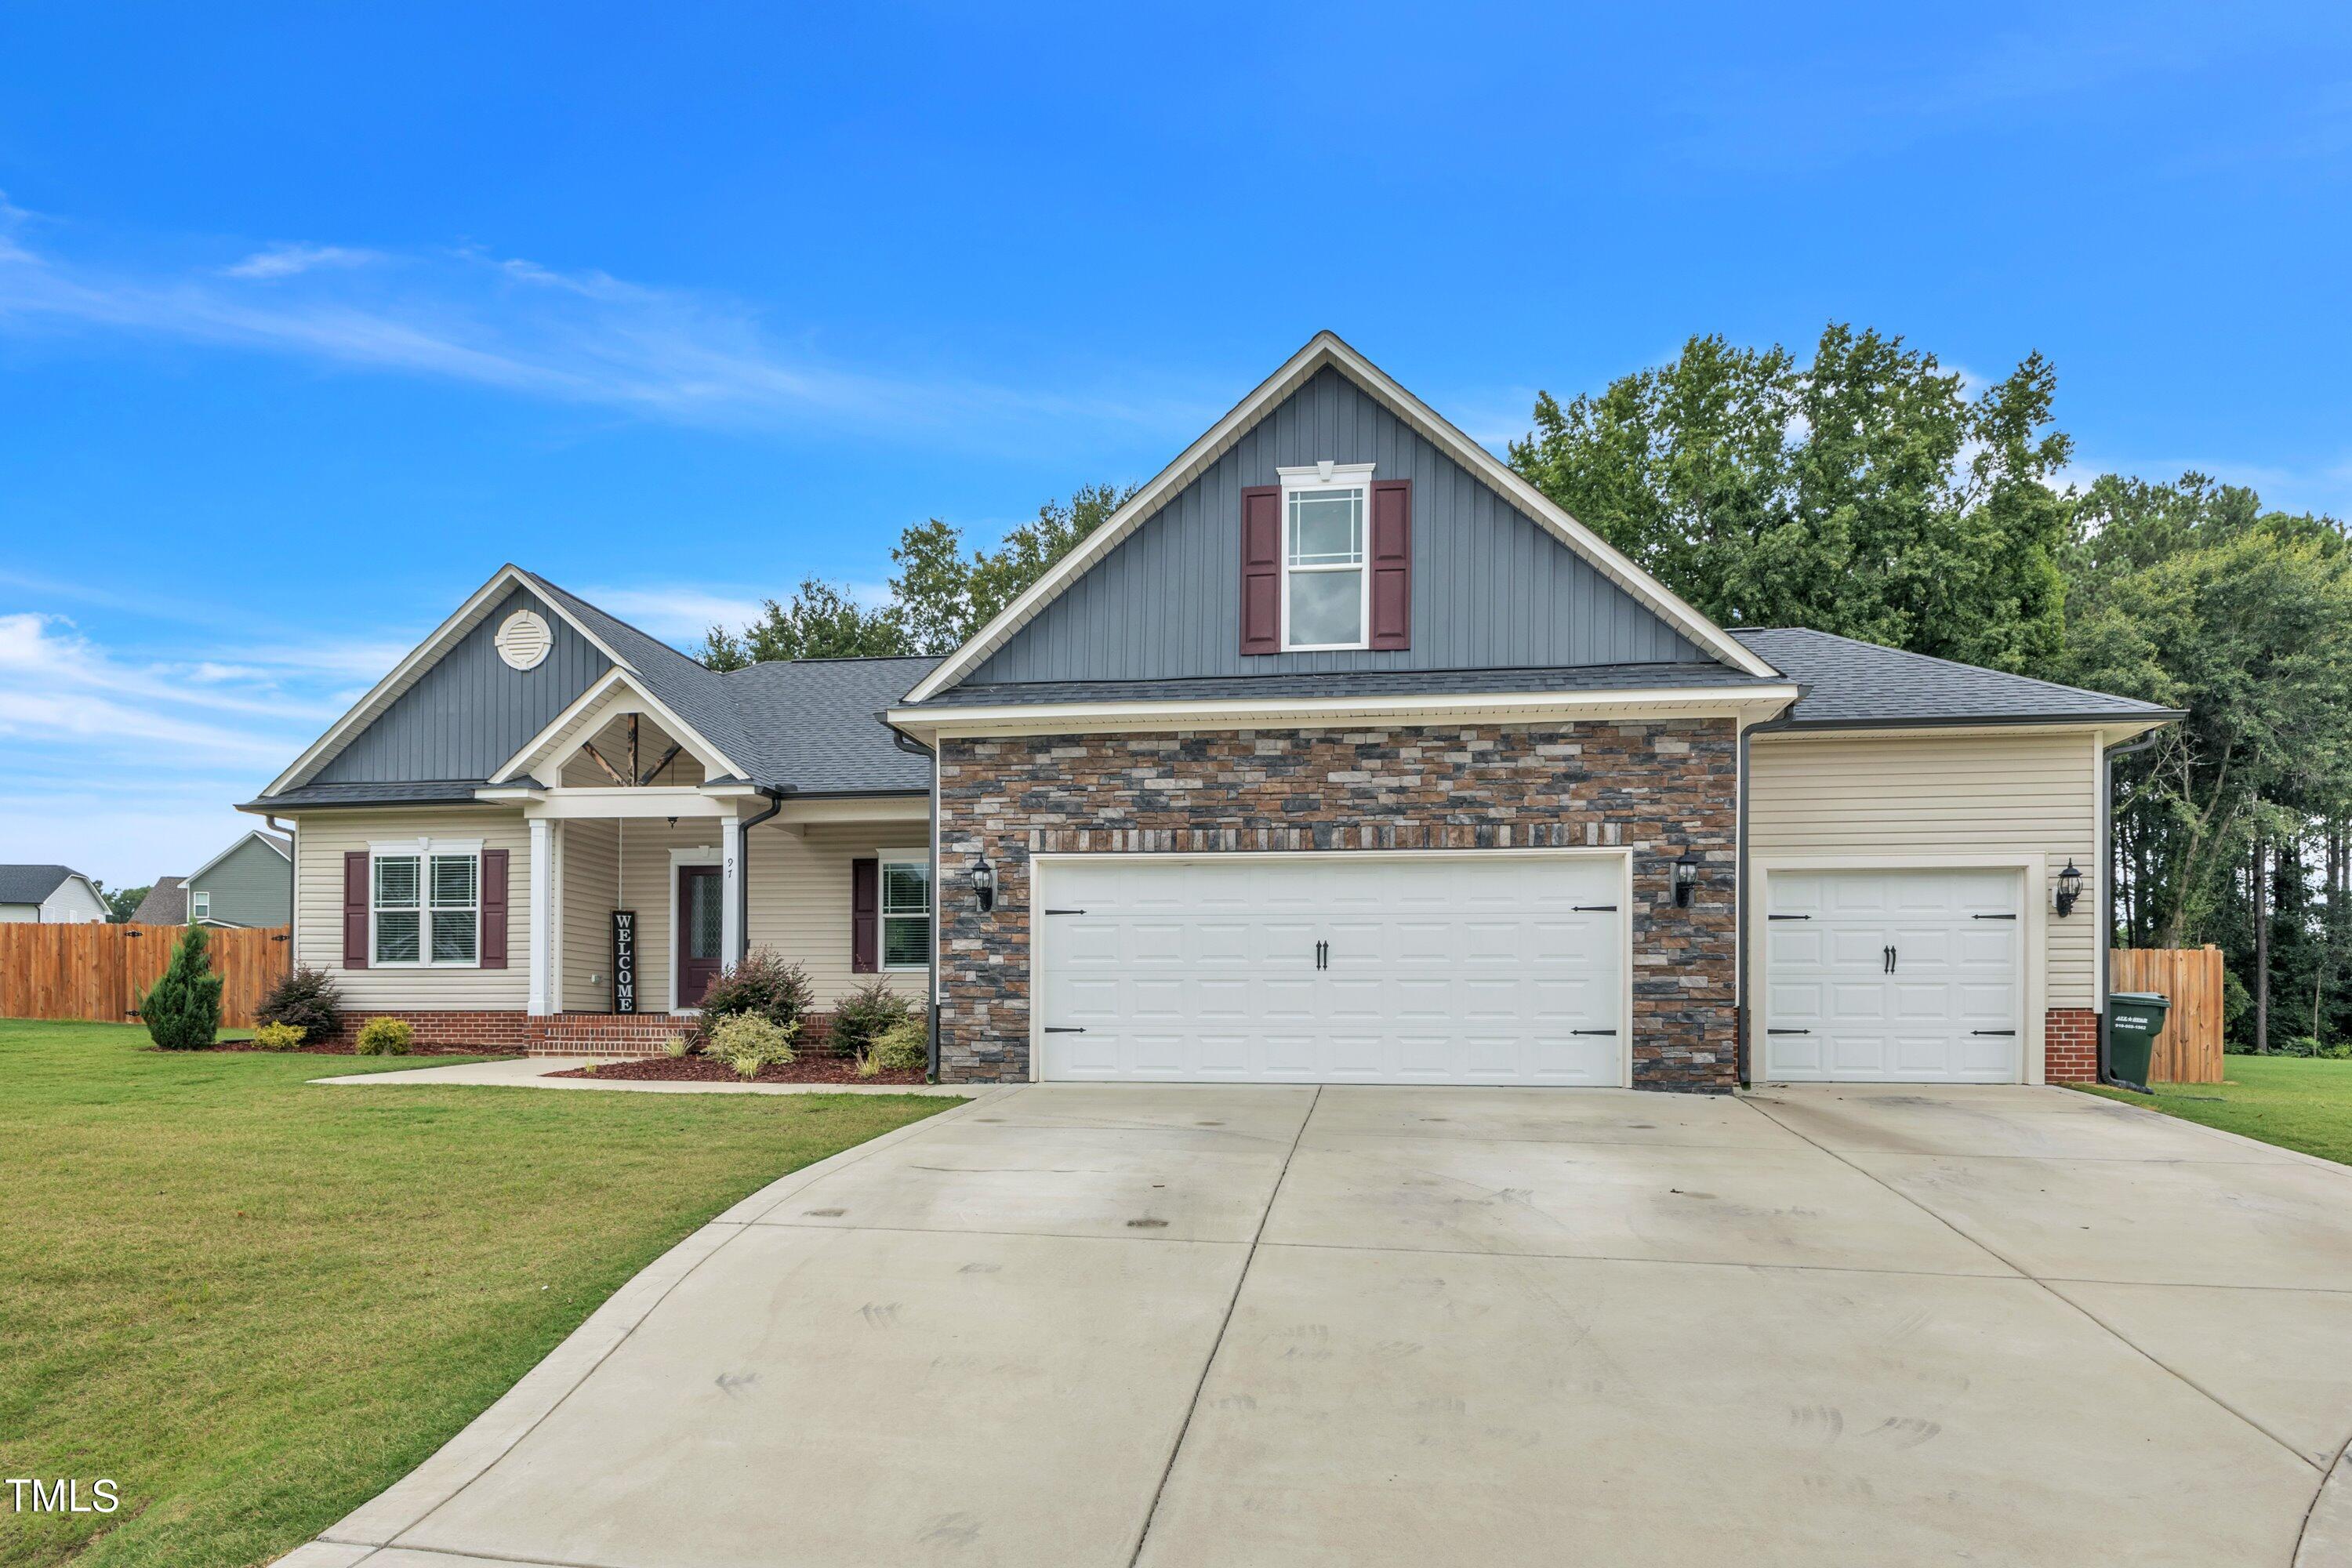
184,1011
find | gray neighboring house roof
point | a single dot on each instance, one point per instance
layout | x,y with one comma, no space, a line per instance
1353,683
166,904
31,884
1850,684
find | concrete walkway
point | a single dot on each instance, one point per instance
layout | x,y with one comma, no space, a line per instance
1176,1326
536,1072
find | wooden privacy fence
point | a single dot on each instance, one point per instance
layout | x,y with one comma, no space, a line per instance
101,971
2189,1049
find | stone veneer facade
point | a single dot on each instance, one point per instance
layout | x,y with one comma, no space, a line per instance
1660,788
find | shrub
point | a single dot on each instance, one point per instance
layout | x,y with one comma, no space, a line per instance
279,1037
183,1012
763,985
676,1046
307,999
904,1046
384,1037
748,1042
2337,1051
868,1012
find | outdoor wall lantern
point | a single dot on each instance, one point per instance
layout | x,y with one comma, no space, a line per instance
983,882
2070,888
1686,880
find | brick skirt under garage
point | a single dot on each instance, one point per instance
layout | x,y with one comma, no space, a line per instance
2070,1046
1660,788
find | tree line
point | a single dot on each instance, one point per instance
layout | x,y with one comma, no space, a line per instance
1865,490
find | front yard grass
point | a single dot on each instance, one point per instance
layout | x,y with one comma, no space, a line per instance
254,1302
2296,1102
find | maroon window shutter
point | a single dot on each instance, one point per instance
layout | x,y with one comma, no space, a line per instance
1391,563
355,908
494,908
865,916
1262,569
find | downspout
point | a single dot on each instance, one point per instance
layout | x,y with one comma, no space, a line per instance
1739,894
2106,932
294,878
743,857
907,743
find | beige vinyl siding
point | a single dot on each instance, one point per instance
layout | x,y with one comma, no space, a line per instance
591,889
320,844
1943,793
800,898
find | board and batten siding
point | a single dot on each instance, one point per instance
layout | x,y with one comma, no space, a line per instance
471,710
1491,589
1881,798
590,857
323,838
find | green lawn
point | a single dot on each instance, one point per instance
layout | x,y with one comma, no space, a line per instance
254,1302
2296,1102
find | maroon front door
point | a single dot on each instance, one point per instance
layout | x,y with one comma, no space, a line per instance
700,922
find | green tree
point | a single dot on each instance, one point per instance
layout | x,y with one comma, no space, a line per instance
183,1012
1864,493
121,902
821,622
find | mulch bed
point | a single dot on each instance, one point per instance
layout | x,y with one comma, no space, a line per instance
345,1050
703,1069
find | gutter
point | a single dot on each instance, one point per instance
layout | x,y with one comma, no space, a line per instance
907,743
1739,899
2106,932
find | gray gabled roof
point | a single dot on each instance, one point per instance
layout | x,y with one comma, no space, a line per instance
693,692
31,884
1850,684
431,791
1354,683
812,727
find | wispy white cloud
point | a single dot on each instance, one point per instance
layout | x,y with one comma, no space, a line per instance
675,614
289,260
518,326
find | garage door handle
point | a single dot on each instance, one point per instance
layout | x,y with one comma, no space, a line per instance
1064,1029
1788,917
1594,910
1788,1031
1993,1031
1592,1031
1066,912
1993,917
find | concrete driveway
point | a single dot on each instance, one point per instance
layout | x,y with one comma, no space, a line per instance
1182,1326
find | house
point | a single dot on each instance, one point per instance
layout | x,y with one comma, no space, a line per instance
48,895
166,903
250,883
1339,753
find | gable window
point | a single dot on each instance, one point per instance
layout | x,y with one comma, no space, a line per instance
906,914
426,903
1326,586
200,907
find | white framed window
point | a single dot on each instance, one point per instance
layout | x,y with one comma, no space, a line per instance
906,909
200,907
1327,581
424,904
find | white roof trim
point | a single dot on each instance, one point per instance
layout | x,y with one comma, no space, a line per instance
515,769
257,833
1497,707
1327,349
422,657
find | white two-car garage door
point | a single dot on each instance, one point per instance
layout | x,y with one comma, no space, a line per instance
1484,967
1892,976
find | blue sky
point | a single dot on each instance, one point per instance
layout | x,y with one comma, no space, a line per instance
312,317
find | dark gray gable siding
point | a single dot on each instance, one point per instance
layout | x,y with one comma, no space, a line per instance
1491,590
470,711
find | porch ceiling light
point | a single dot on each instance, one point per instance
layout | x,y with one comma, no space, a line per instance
2070,889
983,882
1686,879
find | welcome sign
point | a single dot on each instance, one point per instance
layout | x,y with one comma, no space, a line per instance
624,960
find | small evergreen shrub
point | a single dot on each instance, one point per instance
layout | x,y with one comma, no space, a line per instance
676,1046
183,1012
279,1037
762,985
384,1037
309,1000
866,1013
748,1042
904,1046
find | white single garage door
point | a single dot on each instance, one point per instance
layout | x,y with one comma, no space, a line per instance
1893,977
1318,968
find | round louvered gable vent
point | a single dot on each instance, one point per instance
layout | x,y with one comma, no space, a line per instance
523,639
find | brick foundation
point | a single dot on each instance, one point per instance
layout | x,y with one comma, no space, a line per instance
2070,1046
500,1032
1659,787
563,1034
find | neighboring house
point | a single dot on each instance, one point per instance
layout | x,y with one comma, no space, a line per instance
1338,754
250,883
166,904
49,895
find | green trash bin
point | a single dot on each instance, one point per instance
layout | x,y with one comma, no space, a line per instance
2134,1018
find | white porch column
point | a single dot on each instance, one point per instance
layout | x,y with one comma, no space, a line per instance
543,916
730,919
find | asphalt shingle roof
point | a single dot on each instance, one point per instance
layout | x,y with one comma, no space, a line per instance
812,727
1858,684
433,792
166,904
31,884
